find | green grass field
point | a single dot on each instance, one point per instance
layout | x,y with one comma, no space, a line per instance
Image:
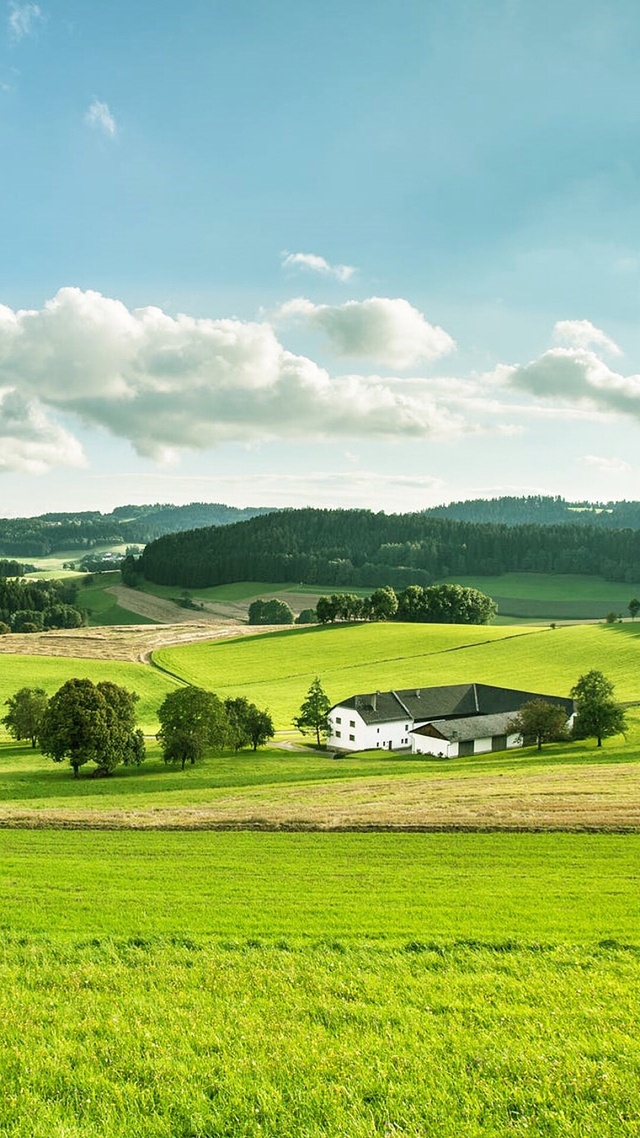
545,596
280,986
49,672
275,670
102,606
176,984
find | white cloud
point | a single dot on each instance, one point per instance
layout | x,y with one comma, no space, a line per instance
23,19
578,376
168,383
29,441
99,117
317,264
584,334
608,465
386,331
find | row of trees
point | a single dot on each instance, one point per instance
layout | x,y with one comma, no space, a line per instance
436,604
345,548
96,723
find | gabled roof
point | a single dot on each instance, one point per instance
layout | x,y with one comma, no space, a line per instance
475,727
453,701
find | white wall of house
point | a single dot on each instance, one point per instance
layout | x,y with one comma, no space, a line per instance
349,732
428,745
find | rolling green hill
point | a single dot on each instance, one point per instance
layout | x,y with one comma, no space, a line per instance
275,670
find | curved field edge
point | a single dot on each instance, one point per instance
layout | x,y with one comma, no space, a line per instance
50,672
275,670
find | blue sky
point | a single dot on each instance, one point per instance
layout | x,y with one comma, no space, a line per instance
343,254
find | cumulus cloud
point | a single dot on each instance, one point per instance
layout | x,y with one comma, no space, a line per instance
608,465
390,332
167,383
584,334
317,264
99,117
578,376
23,19
29,441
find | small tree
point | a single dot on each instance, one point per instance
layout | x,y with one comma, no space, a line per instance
313,712
24,717
545,722
260,726
247,724
597,713
307,616
634,608
192,721
270,612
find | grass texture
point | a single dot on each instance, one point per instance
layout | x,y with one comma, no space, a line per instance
192,986
50,672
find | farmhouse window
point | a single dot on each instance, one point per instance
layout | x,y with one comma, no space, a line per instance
352,722
352,738
338,734
338,719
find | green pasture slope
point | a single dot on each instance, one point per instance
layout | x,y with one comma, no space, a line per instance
275,670
547,596
49,672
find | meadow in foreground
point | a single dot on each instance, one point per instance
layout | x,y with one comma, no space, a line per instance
192,986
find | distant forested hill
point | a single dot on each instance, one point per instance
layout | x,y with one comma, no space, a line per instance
126,525
544,511
357,547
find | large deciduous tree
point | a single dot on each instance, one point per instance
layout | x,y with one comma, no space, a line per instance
192,722
597,713
540,720
86,722
24,717
313,712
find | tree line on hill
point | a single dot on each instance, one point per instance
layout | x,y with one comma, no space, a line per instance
543,510
126,525
434,604
31,606
360,548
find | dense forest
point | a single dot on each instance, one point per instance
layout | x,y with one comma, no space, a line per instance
357,547
30,606
126,525
543,511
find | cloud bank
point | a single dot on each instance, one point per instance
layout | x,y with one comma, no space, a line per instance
168,383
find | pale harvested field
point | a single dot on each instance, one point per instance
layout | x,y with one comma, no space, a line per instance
134,642
588,797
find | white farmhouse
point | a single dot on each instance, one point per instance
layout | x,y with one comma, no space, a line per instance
458,719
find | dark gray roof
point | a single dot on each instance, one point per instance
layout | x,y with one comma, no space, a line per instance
475,727
452,701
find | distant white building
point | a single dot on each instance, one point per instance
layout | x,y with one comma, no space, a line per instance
458,719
